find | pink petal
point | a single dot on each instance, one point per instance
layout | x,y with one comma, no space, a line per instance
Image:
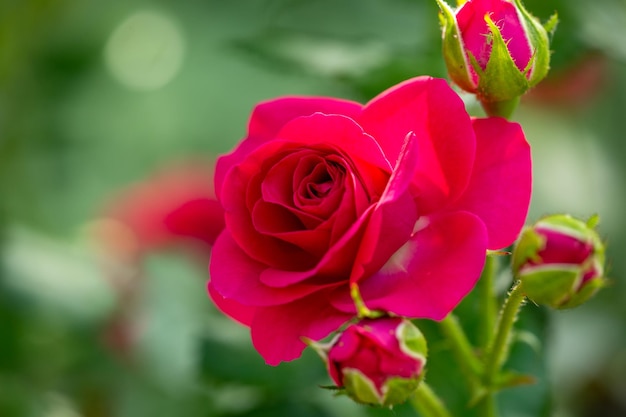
332,269
277,332
269,117
239,312
394,217
234,275
432,272
336,134
430,109
243,183
500,186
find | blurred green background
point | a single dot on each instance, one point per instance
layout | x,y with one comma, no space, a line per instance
96,96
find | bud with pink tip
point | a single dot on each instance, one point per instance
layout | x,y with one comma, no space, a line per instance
560,261
495,49
377,361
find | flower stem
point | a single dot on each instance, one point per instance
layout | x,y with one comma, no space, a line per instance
500,108
498,350
487,299
427,403
462,350
487,406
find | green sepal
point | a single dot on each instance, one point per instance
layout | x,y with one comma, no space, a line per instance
551,285
453,51
537,34
320,348
526,248
398,390
360,388
586,292
501,80
510,379
412,341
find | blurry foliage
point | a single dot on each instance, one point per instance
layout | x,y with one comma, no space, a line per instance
72,131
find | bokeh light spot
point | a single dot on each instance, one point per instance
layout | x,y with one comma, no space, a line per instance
146,51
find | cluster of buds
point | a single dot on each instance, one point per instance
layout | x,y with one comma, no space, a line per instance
377,361
495,49
560,261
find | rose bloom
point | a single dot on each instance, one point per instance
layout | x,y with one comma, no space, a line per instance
402,197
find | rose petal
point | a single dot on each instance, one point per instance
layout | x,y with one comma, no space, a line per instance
500,187
269,117
234,275
393,218
315,241
244,190
277,332
432,272
333,268
239,312
430,109
336,132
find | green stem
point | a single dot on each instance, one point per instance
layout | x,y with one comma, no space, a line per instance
500,108
487,300
487,406
462,350
499,348
427,403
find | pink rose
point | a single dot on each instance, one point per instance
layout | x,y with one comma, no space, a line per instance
402,196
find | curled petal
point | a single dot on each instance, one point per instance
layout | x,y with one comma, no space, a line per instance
394,216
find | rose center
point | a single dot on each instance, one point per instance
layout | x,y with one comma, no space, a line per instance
319,183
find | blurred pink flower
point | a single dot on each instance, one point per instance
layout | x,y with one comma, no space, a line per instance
175,205
174,208
402,196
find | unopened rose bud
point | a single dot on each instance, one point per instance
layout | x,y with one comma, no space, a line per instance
378,361
495,49
559,261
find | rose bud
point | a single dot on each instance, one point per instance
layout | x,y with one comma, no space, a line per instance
560,261
378,361
496,50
